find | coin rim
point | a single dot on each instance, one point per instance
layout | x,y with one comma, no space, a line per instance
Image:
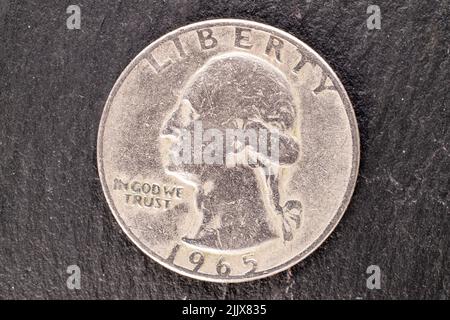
355,152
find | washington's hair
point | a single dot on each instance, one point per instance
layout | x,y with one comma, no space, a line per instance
256,92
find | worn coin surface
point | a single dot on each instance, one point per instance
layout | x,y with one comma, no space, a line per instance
228,150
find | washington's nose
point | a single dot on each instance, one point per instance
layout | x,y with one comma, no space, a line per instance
167,131
170,127
179,119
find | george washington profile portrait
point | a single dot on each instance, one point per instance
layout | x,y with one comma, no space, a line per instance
240,205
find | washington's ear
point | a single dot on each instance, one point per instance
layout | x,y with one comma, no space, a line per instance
289,150
288,147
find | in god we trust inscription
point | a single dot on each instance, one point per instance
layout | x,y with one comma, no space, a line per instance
228,150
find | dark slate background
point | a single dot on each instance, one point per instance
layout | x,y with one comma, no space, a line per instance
53,86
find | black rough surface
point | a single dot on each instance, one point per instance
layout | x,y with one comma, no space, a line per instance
53,86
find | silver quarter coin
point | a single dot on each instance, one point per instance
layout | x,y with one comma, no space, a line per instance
228,150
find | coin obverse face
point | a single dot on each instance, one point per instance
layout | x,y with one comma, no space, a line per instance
228,150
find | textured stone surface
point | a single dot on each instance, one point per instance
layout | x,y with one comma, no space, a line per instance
53,86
